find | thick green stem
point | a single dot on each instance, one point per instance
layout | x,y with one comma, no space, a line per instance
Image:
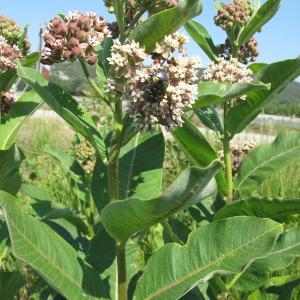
121,265
227,160
113,191
92,83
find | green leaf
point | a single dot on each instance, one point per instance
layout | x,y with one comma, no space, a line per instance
104,54
257,67
278,210
164,23
198,149
26,105
49,254
141,166
31,59
10,284
279,75
258,20
284,252
210,92
10,162
209,116
201,36
266,159
123,218
64,105
7,79
221,247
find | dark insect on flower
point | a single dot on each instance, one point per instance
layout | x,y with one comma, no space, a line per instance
156,89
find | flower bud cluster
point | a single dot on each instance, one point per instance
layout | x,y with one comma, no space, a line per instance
231,15
246,4
75,35
230,70
246,53
85,154
7,99
157,93
238,153
12,33
8,55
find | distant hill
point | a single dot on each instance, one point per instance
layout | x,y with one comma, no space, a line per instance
290,95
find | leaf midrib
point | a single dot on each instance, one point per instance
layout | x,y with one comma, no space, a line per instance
264,163
203,268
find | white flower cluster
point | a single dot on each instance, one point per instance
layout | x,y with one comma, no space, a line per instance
8,55
157,93
227,71
124,56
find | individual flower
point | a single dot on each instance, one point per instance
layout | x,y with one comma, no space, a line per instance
159,92
12,33
7,99
75,35
231,15
248,52
230,70
8,55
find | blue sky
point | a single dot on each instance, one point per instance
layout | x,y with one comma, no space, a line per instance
279,39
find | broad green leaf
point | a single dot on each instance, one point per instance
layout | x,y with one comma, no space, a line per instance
104,54
257,67
266,159
164,23
36,192
64,105
141,166
210,92
49,254
26,105
209,116
10,284
258,20
31,59
279,75
123,218
220,248
198,150
278,210
201,36
10,162
284,252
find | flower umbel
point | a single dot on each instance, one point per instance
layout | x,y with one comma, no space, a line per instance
7,99
75,35
8,55
157,93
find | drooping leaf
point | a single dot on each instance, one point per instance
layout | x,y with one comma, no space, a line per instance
222,247
164,23
279,75
266,159
123,218
198,149
209,116
26,105
284,252
210,92
258,20
278,210
141,166
201,36
10,162
49,254
64,105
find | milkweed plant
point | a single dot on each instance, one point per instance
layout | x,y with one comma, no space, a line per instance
154,91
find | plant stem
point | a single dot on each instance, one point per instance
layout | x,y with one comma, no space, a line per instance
227,159
92,83
113,191
121,265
